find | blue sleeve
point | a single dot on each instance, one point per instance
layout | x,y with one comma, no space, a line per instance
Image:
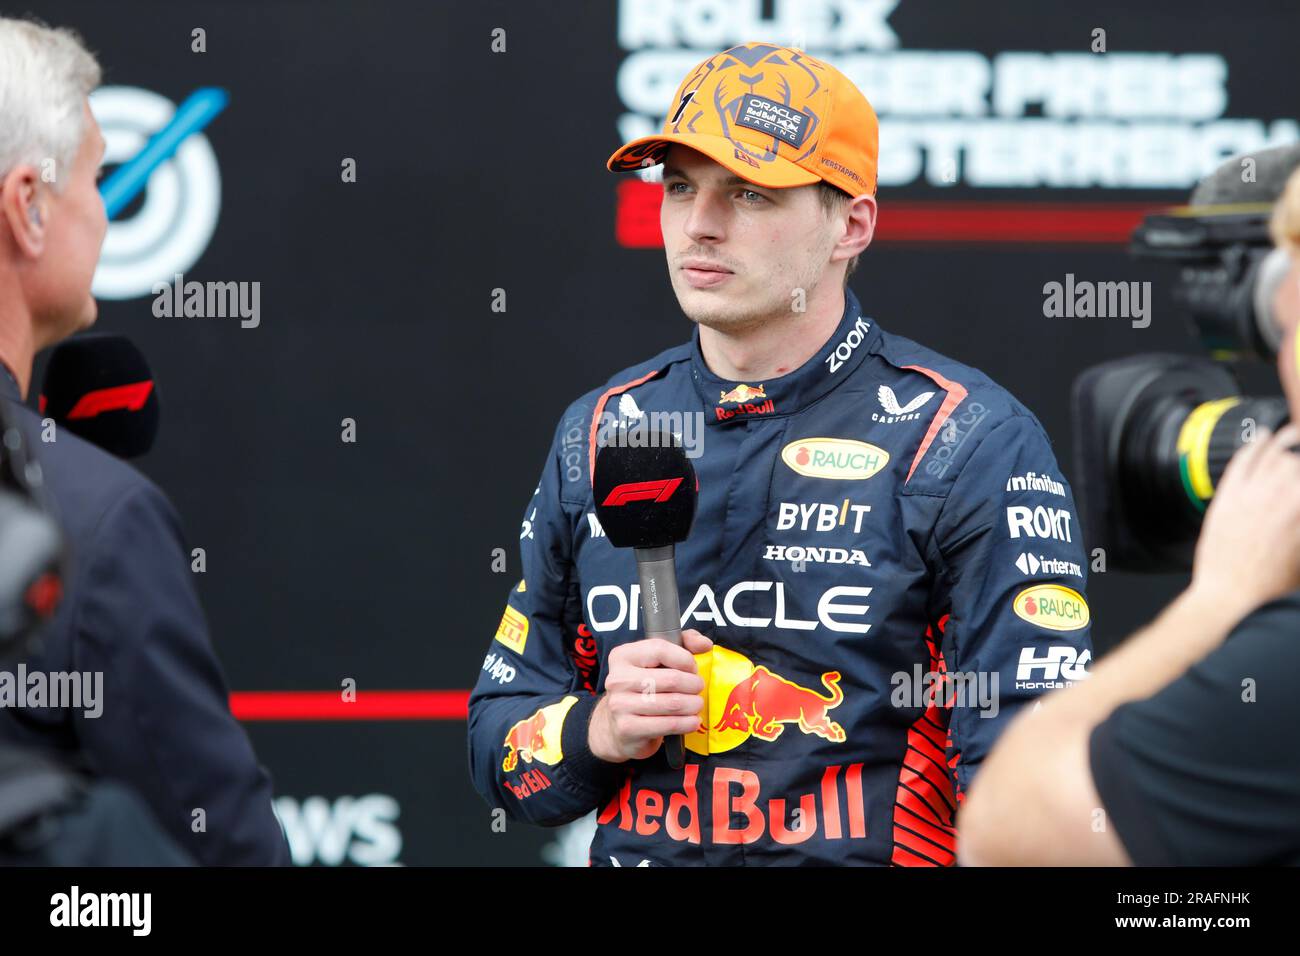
165,727
1012,587
529,710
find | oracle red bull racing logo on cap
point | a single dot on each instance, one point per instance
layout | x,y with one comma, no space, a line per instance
744,700
835,458
1053,607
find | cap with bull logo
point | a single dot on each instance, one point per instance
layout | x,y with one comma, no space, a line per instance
774,116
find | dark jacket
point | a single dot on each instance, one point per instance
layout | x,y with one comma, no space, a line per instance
50,816
130,612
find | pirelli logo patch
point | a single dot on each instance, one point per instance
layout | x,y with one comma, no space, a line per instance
513,630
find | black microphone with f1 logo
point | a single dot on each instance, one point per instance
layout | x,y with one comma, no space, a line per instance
100,388
645,491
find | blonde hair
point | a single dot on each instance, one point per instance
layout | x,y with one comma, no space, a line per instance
45,74
1286,217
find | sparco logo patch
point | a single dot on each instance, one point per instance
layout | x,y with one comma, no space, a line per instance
952,436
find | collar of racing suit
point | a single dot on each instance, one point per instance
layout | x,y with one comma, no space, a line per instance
9,385
854,338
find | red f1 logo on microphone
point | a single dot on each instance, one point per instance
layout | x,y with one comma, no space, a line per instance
131,397
660,490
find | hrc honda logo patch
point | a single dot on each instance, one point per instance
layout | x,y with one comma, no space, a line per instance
767,116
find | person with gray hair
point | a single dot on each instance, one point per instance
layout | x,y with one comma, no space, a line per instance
50,151
130,620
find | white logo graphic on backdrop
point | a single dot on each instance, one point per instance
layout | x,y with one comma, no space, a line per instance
181,202
360,830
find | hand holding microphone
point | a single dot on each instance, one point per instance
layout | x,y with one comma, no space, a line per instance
645,492
652,691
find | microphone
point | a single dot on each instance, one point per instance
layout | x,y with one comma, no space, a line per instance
100,388
646,491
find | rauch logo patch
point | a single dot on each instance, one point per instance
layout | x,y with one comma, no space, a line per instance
835,458
1053,607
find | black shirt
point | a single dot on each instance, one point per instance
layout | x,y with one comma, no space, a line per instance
1207,771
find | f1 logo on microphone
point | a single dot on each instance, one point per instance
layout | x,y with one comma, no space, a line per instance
130,397
659,490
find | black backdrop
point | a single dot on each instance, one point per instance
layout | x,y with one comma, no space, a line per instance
481,170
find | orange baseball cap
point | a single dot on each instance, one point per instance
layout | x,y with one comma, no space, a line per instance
772,115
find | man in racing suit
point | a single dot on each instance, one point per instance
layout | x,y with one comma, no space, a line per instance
871,515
